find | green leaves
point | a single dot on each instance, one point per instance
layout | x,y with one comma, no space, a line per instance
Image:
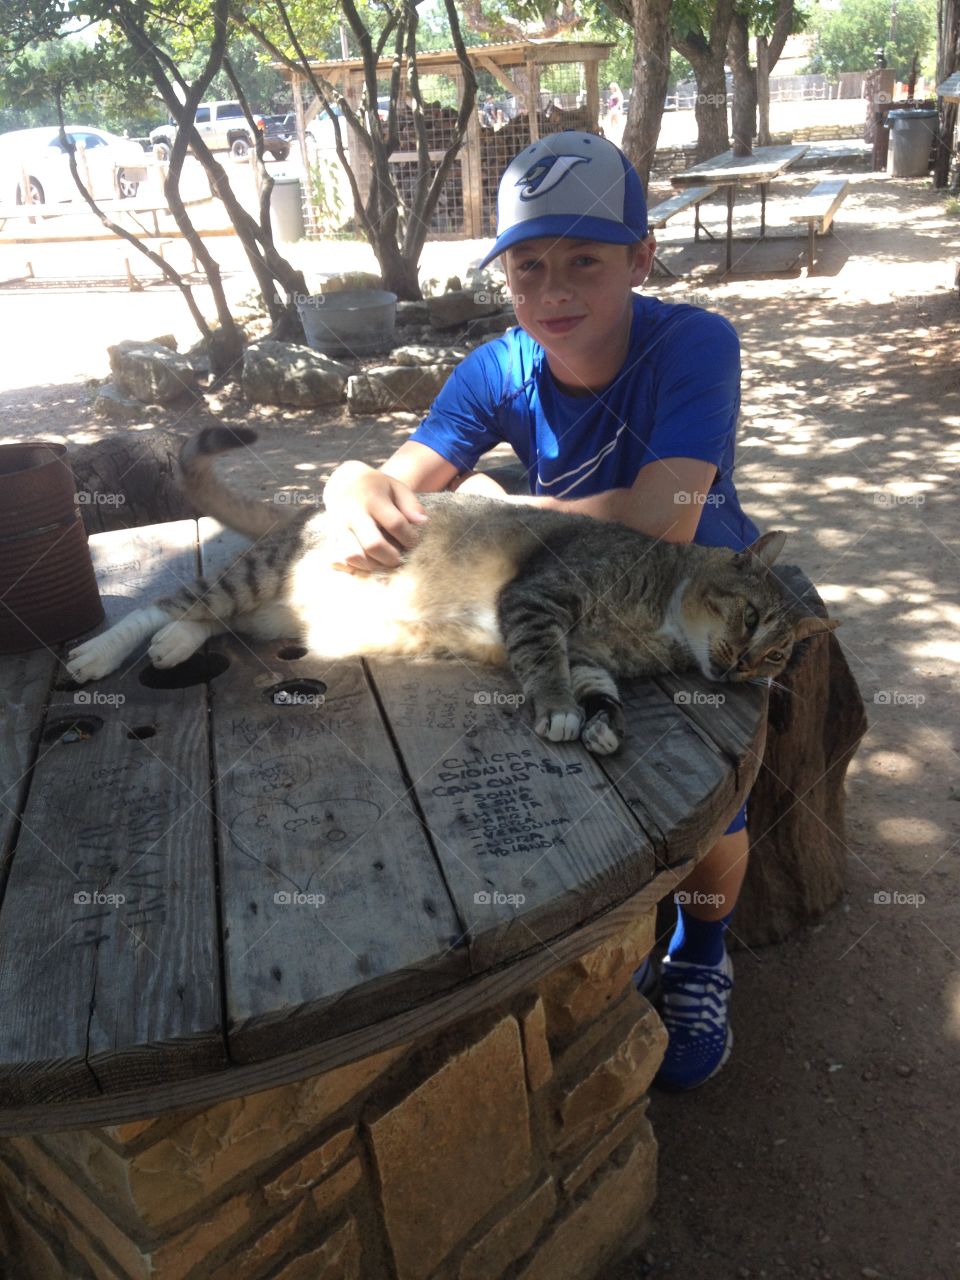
848,36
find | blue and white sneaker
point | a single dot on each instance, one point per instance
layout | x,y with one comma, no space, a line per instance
693,1008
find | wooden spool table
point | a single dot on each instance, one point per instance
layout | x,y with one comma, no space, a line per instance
287,868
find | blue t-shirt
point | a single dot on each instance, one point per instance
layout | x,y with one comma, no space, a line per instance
677,396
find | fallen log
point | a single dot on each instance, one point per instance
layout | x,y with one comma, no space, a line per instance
128,479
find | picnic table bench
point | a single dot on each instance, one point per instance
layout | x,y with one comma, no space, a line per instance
817,210
660,215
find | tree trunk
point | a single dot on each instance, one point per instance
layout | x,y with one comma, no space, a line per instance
763,91
711,105
651,75
769,50
948,61
744,87
795,811
138,466
400,273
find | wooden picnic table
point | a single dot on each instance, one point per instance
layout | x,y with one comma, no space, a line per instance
732,171
264,864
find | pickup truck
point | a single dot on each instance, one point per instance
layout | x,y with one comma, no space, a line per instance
223,127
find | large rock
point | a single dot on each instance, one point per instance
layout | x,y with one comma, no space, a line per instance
424,355
450,310
465,1127
339,281
412,313
390,387
112,405
487,326
284,373
152,372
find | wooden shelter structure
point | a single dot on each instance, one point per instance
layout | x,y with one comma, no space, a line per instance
524,90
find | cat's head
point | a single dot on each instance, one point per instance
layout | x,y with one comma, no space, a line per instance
738,616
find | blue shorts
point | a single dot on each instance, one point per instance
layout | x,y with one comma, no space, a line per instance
739,821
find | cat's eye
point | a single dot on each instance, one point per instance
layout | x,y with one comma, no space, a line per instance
774,656
750,617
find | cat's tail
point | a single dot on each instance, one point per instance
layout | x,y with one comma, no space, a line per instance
208,493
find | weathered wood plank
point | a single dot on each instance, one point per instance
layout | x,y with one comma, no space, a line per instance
466,999
736,726
531,837
821,203
24,683
679,785
335,910
108,963
661,213
762,166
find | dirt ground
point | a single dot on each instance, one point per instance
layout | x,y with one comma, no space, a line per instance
827,1147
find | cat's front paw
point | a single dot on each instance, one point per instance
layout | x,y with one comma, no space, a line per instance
91,660
559,725
175,643
600,736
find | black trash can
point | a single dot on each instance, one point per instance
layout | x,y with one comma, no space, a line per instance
912,134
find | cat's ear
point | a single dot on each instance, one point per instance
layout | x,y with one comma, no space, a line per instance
811,625
765,549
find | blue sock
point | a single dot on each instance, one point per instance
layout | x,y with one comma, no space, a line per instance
697,941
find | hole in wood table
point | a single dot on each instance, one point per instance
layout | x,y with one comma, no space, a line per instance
143,731
72,729
197,669
291,652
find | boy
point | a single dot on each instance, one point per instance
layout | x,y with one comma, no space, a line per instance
620,407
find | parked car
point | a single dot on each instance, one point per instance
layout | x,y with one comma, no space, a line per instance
283,127
114,166
223,127
320,135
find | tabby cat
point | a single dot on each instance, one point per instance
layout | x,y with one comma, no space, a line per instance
569,601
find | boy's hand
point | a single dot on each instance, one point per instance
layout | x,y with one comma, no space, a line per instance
372,518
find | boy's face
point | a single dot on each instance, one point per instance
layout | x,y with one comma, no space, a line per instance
574,298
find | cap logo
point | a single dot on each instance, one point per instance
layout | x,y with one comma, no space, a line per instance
543,175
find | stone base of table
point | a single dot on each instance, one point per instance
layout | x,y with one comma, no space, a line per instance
514,1145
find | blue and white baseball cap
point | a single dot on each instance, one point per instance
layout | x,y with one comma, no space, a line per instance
570,184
